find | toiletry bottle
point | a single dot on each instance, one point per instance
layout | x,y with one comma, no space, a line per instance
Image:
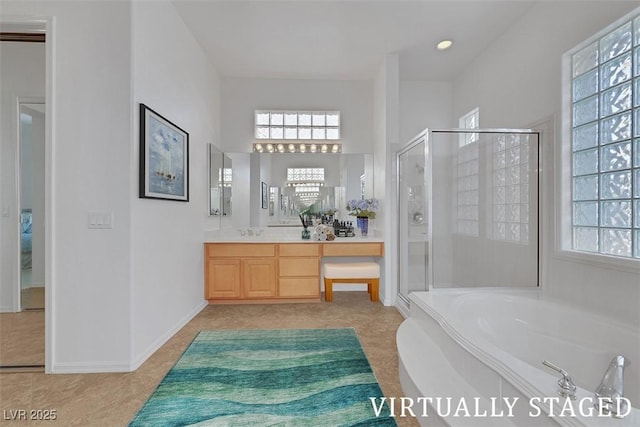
342,231
350,232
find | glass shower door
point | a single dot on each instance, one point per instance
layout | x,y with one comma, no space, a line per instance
413,256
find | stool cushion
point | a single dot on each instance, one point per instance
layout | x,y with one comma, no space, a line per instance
352,270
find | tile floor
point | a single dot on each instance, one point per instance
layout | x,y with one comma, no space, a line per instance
21,339
113,399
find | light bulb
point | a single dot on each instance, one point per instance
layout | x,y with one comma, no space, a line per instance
444,44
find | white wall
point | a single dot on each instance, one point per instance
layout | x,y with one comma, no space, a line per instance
22,69
517,82
241,97
171,75
386,134
88,292
424,104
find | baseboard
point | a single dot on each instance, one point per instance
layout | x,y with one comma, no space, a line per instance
6,309
138,361
89,368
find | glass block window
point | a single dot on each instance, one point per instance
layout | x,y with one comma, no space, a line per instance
467,187
471,120
305,174
297,125
510,192
306,182
605,129
225,176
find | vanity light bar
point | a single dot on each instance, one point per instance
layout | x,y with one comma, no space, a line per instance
300,147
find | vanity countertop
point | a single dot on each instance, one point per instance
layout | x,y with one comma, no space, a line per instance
277,235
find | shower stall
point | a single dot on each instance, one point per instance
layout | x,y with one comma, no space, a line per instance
468,210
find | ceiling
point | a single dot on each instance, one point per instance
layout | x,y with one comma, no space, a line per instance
345,39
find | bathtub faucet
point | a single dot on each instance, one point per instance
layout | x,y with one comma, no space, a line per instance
610,392
566,387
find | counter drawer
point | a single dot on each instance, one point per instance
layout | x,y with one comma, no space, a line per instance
296,267
299,249
352,249
306,287
241,250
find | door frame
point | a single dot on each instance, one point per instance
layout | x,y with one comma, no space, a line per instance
48,24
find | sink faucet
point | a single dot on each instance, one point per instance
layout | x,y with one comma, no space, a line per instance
610,392
250,231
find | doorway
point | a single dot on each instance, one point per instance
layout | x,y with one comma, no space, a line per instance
24,85
31,221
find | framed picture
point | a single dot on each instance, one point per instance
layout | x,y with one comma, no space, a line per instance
164,158
265,195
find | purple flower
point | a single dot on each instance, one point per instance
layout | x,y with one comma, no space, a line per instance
364,207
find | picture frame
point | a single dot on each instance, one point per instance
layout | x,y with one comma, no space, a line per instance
265,195
164,158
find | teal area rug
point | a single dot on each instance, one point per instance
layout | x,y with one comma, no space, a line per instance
285,377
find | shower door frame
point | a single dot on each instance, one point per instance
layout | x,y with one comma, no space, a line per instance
422,137
426,136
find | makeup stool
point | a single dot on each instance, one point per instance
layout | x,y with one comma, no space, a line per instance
354,272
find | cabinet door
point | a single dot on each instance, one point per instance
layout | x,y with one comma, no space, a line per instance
223,278
259,277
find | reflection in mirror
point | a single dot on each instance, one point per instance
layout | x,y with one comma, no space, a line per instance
315,184
220,183
346,176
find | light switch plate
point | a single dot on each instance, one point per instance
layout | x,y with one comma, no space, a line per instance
100,220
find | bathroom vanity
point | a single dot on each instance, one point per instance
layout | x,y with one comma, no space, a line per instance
273,270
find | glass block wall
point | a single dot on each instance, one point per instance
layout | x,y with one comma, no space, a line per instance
510,196
606,143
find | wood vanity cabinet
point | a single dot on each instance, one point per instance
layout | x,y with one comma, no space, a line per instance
240,271
272,272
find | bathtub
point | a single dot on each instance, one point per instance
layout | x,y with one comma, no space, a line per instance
473,357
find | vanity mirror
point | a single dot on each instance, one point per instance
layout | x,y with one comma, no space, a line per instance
316,184
220,182
296,182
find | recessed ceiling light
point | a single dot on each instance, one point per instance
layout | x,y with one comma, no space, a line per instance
444,44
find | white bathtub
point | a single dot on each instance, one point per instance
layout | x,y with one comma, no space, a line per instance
488,345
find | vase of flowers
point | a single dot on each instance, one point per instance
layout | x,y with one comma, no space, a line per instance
363,225
363,210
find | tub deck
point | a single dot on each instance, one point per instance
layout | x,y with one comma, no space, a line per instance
447,350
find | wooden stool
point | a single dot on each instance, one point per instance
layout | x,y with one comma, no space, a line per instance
355,272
